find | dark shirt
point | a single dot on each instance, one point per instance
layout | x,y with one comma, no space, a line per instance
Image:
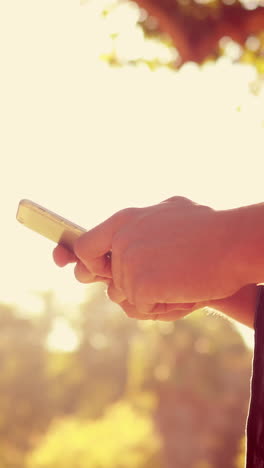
255,421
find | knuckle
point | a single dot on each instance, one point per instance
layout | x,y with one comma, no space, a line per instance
110,295
114,294
128,212
128,309
178,199
77,274
131,314
121,217
82,274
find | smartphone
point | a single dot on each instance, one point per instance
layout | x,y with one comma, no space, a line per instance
48,224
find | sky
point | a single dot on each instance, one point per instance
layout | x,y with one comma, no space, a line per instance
85,140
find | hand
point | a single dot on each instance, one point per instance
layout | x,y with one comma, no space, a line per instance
241,306
171,255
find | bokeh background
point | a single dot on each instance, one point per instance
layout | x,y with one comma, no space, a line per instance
105,105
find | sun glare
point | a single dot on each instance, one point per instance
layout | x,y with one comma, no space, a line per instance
62,337
85,140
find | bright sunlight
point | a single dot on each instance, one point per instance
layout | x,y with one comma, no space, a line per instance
95,118
74,140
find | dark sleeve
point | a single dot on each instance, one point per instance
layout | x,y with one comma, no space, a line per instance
255,420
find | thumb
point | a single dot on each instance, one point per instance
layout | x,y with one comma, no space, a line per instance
94,247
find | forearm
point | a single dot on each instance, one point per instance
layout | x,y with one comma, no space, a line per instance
241,306
246,252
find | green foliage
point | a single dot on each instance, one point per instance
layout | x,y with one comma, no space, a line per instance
122,438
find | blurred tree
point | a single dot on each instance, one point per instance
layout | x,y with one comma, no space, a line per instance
199,369
190,378
93,376
196,27
122,438
188,30
24,399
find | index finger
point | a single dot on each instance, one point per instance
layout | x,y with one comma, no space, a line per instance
94,247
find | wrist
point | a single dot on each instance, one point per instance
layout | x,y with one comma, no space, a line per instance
247,232
241,306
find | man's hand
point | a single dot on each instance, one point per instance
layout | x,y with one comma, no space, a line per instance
241,306
166,257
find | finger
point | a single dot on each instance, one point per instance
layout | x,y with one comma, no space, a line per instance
146,294
62,256
119,262
114,294
170,316
132,312
83,275
166,315
94,245
100,266
164,308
